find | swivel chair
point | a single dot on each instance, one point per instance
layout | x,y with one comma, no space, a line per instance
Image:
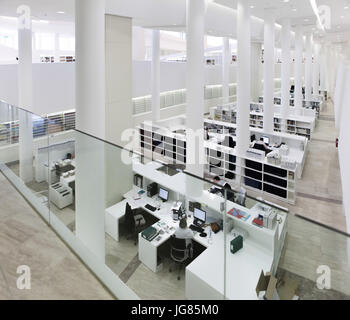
180,252
134,223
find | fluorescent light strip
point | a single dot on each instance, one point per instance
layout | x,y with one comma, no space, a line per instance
315,9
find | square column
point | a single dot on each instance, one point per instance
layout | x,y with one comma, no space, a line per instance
286,64
269,70
243,76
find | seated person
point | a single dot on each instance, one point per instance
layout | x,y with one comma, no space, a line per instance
221,183
261,145
183,232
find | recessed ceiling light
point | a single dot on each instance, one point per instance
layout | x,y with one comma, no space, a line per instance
342,17
294,9
252,7
60,12
346,7
285,1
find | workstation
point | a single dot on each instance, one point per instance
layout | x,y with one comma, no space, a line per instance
55,165
272,172
162,195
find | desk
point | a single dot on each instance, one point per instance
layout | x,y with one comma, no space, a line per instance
205,276
148,250
114,213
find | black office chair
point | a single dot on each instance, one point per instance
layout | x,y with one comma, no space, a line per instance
58,170
180,253
134,223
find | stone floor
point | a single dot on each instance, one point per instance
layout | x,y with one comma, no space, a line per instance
319,192
56,273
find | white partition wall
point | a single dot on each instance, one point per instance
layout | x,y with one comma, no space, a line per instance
118,78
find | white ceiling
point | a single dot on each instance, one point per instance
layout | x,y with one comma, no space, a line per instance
154,14
300,12
41,9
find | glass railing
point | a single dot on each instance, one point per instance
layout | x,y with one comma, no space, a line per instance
118,210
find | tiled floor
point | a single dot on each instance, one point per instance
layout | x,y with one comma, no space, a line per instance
319,192
56,273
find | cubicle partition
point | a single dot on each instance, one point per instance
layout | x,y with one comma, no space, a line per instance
119,209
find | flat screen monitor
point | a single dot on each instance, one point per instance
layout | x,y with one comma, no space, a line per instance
163,194
266,140
199,215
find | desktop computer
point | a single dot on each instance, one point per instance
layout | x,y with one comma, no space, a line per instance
199,217
163,194
266,140
152,190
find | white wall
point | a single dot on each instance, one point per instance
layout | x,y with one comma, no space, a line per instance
53,86
344,145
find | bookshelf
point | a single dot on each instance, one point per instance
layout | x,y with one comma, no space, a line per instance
257,173
298,125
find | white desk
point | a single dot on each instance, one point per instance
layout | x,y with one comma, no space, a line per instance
148,254
205,278
114,213
205,275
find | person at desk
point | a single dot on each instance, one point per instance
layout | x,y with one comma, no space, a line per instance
183,232
262,146
221,191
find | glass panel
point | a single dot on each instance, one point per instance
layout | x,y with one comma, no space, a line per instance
22,134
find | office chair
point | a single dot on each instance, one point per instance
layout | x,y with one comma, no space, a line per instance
58,170
134,222
180,253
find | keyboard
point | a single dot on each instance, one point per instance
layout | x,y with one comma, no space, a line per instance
196,228
151,208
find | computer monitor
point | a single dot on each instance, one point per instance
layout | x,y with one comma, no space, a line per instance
199,216
163,194
266,140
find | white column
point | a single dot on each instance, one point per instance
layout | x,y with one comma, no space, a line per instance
90,66
269,70
195,96
25,96
226,63
256,71
339,93
57,48
323,66
286,63
316,70
155,75
298,67
243,76
90,112
308,67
